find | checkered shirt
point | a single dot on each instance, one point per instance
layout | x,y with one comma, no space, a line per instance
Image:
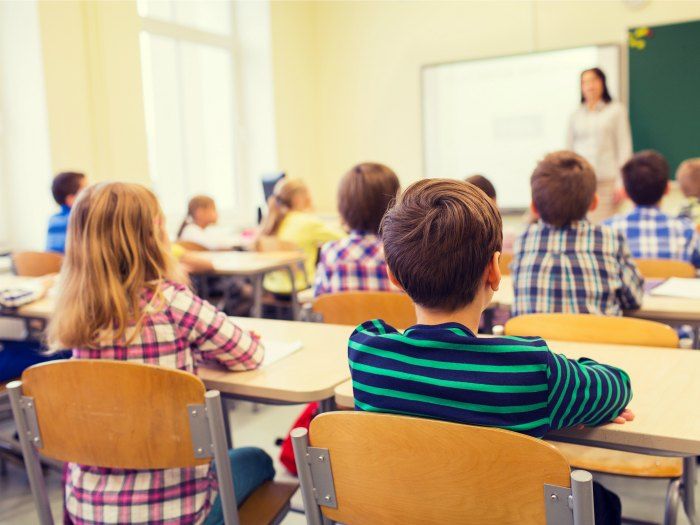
355,263
182,332
652,234
580,268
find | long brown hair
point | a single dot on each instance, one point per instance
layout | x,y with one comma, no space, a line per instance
280,203
196,203
116,248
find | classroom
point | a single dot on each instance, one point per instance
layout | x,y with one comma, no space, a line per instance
362,262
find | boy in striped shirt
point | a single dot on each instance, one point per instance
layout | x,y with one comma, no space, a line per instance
442,242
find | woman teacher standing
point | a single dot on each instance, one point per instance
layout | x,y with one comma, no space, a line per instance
599,131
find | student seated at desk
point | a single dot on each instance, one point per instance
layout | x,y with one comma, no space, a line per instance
688,176
16,355
290,218
564,263
442,242
199,226
122,299
357,263
65,188
650,233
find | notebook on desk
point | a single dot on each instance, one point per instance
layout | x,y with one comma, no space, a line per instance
678,287
276,350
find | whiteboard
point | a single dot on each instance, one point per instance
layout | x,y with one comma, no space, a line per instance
499,116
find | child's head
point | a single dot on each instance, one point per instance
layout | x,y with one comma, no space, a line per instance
66,186
645,177
563,188
484,185
116,247
441,241
688,176
201,210
288,195
364,195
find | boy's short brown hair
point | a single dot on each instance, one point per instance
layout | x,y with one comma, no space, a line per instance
688,176
563,187
365,193
483,184
439,239
645,177
66,184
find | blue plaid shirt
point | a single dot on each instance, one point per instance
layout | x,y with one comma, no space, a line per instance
652,234
581,268
58,227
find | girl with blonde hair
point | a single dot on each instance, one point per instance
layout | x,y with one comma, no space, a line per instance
199,226
121,298
290,219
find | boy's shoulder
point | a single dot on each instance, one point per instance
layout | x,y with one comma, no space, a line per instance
450,336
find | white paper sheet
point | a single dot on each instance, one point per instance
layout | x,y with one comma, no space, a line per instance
276,350
677,287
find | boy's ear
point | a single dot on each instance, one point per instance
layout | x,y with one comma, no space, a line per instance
393,280
668,188
594,202
533,210
493,272
70,199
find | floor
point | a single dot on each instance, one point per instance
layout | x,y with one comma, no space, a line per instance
641,499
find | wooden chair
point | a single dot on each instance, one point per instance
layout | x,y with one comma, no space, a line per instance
192,246
353,308
129,416
361,467
593,329
613,330
504,262
664,268
36,264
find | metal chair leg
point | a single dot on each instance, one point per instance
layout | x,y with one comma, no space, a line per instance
688,488
673,499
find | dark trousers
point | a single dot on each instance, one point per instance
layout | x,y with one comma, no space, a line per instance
608,510
15,356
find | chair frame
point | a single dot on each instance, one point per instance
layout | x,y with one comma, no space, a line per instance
564,505
208,437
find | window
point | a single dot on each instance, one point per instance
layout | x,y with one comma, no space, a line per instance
189,63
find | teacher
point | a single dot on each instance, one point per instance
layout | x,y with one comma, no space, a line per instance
599,131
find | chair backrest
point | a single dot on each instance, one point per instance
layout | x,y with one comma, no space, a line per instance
664,268
192,246
114,414
587,328
504,262
270,243
397,469
353,308
36,264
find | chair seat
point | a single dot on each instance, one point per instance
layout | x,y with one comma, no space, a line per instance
267,504
620,463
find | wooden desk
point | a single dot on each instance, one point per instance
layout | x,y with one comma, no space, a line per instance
311,374
664,309
665,385
255,265
41,309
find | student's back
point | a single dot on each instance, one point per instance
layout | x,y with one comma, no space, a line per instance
356,263
290,219
688,177
127,304
651,233
563,263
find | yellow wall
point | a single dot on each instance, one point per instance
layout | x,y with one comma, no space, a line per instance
93,85
356,67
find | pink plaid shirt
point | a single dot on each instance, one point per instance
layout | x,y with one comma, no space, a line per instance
182,332
355,263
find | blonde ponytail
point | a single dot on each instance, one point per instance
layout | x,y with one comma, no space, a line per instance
280,203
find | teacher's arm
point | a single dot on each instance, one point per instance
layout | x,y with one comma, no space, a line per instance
570,134
624,137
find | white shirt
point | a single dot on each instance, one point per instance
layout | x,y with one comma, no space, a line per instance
211,237
602,136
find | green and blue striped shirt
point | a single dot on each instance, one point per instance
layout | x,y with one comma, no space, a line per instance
446,372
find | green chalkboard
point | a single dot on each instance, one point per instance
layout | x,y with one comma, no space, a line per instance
664,75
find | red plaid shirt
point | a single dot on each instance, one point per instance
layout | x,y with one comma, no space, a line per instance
178,334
